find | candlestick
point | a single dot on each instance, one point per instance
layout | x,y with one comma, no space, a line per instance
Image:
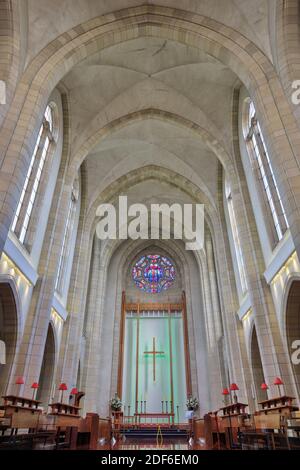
162,406
137,406
144,406
177,414
128,410
141,406
167,406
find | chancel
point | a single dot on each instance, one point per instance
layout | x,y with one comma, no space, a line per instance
123,341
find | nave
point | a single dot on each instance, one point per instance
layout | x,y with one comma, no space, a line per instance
149,224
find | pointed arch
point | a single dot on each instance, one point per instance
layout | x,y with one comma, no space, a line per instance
218,40
8,332
47,368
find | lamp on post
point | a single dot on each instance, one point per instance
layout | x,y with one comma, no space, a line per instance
264,387
225,392
234,388
62,388
74,392
34,387
278,382
20,381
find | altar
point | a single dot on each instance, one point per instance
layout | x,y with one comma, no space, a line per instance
154,374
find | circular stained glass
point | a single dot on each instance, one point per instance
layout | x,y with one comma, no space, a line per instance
153,273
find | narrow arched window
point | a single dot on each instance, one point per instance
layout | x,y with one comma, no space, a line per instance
236,240
33,177
66,243
261,164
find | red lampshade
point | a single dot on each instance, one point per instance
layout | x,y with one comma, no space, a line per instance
20,381
35,385
278,381
63,386
264,386
225,391
234,387
74,391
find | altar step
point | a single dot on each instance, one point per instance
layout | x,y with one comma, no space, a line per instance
150,433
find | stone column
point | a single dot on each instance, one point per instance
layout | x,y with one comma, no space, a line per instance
214,287
73,330
235,345
274,359
30,356
93,329
32,346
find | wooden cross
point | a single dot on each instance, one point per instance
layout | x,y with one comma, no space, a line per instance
154,353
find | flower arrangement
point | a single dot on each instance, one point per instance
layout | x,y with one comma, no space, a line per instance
192,404
115,403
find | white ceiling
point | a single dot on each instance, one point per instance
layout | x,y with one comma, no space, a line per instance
149,73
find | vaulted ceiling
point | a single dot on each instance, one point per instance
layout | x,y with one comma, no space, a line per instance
145,74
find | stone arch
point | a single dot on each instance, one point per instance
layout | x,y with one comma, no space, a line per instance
293,327
256,366
203,129
286,34
8,331
224,43
122,182
47,368
119,256
10,50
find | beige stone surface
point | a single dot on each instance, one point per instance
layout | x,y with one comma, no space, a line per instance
149,108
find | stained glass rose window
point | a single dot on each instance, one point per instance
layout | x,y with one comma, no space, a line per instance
153,273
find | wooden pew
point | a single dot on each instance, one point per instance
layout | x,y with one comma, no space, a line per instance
91,429
67,421
199,429
105,429
269,432
88,432
293,430
283,405
214,431
22,414
234,419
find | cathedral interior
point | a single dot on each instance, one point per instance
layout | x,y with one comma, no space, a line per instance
164,102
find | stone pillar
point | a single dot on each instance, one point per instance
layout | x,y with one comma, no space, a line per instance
214,287
235,345
274,359
93,329
30,356
73,330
